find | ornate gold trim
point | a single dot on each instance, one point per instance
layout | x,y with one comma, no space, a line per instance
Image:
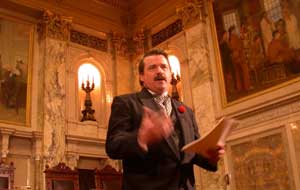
167,32
55,26
192,13
88,40
120,44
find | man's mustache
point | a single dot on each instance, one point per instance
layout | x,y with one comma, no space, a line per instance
160,77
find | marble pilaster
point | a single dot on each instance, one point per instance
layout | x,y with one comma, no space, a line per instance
201,83
113,47
192,12
54,34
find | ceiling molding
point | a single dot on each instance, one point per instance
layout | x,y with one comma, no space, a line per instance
107,15
91,15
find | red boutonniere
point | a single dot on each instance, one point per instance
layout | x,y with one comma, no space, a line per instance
181,109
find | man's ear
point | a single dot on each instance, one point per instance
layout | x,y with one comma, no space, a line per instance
141,78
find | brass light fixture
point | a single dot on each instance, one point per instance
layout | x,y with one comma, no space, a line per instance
88,112
174,81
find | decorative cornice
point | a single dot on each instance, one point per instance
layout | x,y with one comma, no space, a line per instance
167,32
269,113
192,13
88,40
115,3
55,26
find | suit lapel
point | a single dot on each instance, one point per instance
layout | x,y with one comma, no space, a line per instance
184,122
187,128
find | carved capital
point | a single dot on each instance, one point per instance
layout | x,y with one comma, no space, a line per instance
5,135
120,44
124,45
4,149
55,26
139,42
192,13
72,159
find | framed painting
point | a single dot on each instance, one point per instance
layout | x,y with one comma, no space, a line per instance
257,43
16,39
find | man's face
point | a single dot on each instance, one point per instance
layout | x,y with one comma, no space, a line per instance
157,74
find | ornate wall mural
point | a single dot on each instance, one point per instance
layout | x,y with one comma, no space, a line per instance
257,45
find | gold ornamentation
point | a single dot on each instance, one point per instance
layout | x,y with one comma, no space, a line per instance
88,40
192,13
114,3
126,46
139,42
55,26
120,44
261,164
167,32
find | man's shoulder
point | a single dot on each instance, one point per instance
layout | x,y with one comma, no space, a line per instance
135,95
129,97
126,96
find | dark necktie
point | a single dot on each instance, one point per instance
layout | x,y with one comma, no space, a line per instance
165,103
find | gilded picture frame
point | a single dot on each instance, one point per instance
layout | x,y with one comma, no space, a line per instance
16,53
257,46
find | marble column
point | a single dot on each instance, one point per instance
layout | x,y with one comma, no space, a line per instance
54,31
193,17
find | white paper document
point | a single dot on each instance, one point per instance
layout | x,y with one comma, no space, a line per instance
213,139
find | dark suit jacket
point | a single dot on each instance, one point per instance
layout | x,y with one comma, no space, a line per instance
163,167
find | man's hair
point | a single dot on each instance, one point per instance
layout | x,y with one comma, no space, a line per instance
151,53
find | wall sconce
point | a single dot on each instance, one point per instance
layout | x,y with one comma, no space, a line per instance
174,81
88,112
175,68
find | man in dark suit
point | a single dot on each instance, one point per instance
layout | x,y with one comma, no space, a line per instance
147,134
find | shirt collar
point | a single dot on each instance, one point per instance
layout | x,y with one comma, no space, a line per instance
154,94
